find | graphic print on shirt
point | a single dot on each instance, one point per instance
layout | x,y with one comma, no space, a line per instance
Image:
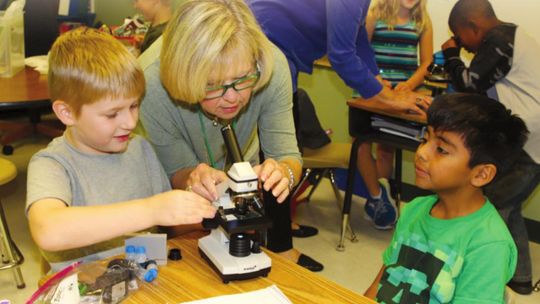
417,275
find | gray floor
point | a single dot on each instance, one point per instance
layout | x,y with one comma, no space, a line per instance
354,268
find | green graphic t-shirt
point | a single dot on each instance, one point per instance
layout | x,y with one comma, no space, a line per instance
467,259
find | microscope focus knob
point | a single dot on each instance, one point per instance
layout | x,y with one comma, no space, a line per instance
256,247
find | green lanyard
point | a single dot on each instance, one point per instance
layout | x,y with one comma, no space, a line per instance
206,143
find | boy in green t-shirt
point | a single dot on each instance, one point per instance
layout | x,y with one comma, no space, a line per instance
453,246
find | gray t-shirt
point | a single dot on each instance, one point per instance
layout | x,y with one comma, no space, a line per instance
78,179
183,137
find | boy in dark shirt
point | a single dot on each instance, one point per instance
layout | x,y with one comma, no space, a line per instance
506,67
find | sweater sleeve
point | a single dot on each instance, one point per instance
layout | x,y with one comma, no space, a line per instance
491,63
349,50
275,122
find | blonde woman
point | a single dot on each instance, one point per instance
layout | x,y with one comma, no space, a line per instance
217,67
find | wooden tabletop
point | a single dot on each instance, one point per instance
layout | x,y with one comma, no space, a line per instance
375,106
26,86
192,278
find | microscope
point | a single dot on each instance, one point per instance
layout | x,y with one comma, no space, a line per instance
437,79
233,247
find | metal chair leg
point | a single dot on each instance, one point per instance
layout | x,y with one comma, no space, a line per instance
536,286
12,253
348,193
317,182
302,181
339,199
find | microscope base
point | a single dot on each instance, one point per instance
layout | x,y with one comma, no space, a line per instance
228,267
226,278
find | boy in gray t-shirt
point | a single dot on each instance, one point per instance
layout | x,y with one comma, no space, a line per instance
98,181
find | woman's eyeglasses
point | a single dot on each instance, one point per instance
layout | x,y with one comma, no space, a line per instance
240,84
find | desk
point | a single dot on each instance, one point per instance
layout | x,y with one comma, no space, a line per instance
27,90
27,87
192,278
360,128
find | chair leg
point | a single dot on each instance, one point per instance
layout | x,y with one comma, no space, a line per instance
536,286
14,256
316,184
339,199
302,181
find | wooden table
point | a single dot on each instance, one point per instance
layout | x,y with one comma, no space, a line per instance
26,91
192,278
360,111
27,87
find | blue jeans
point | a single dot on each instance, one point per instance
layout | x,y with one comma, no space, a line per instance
508,192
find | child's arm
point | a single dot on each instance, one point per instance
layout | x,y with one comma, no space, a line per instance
492,62
426,55
371,292
55,226
371,20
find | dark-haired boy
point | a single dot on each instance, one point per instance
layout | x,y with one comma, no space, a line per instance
453,246
506,67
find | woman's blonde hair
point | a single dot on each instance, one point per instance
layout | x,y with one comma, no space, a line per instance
86,66
208,37
387,11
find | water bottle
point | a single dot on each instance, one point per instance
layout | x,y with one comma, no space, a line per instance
147,271
130,253
140,254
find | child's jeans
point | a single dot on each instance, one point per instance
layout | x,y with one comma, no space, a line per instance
508,192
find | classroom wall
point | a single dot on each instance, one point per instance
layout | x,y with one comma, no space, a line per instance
114,12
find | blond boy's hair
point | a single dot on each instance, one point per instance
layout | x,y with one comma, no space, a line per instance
387,11
209,37
86,66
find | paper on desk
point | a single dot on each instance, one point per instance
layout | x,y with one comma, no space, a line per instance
39,63
268,295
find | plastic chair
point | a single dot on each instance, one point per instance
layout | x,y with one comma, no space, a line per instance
13,131
11,256
320,163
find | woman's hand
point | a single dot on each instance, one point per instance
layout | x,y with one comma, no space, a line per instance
203,180
411,102
177,207
385,83
275,177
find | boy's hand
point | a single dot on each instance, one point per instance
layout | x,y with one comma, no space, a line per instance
203,180
275,177
177,207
